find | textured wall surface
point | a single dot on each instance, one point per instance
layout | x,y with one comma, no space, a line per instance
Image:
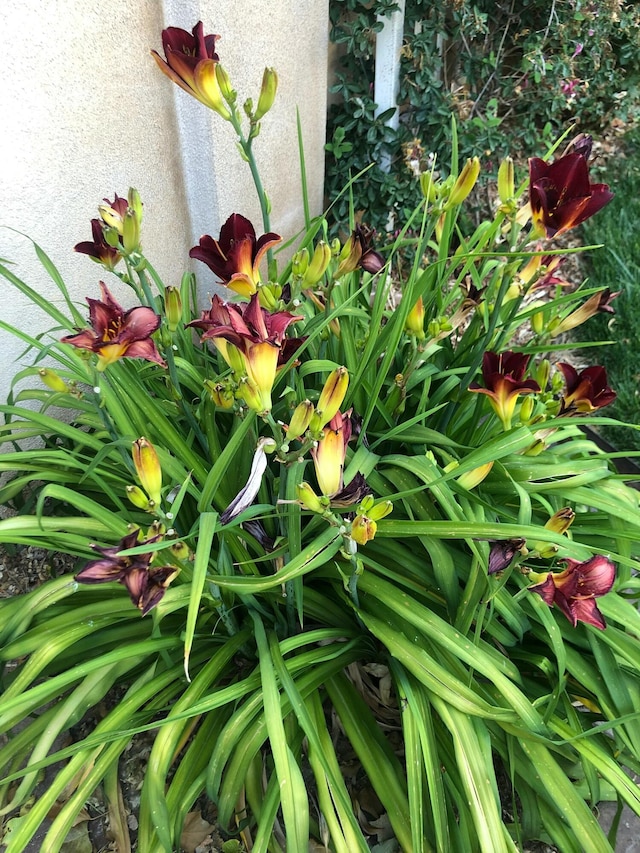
86,113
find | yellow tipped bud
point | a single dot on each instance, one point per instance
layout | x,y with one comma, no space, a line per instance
139,499
537,322
309,500
506,178
110,217
180,550
130,233
52,380
380,510
470,479
561,520
300,262
220,393
429,187
414,324
135,203
543,371
267,93
465,183
363,529
300,420
526,409
172,307
332,395
147,465
318,265
224,84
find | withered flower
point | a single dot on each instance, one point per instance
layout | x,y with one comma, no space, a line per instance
146,584
358,252
98,248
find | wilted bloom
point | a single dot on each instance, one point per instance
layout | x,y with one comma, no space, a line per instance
503,375
257,335
502,553
98,248
576,588
357,252
236,255
598,303
248,492
561,195
191,61
116,333
146,585
586,391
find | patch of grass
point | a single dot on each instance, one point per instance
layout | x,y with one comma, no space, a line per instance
617,266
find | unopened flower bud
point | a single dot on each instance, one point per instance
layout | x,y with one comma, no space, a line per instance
269,295
180,550
542,373
300,262
561,520
332,395
52,380
135,203
309,500
224,83
220,393
138,498
147,465
506,187
130,232
429,187
172,307
465,182
267,93
363,529
300,420
380,510
470,479
537,322
318,265
414,324
526,409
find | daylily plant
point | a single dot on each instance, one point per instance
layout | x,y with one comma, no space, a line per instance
116,333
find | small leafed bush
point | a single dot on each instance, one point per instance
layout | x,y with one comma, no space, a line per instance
340,532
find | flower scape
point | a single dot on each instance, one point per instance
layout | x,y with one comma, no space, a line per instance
319,527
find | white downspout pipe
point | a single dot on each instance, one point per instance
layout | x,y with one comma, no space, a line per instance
387,77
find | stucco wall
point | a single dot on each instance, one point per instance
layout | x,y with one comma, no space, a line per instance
86,113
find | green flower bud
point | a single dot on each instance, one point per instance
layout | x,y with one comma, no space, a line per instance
465,182
267,93
300,420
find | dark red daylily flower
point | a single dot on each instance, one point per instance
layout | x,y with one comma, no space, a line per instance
561,195
98,248
503,375
358,252
146,585
236,255
576,588
191,61
586,391
253,338
116,333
